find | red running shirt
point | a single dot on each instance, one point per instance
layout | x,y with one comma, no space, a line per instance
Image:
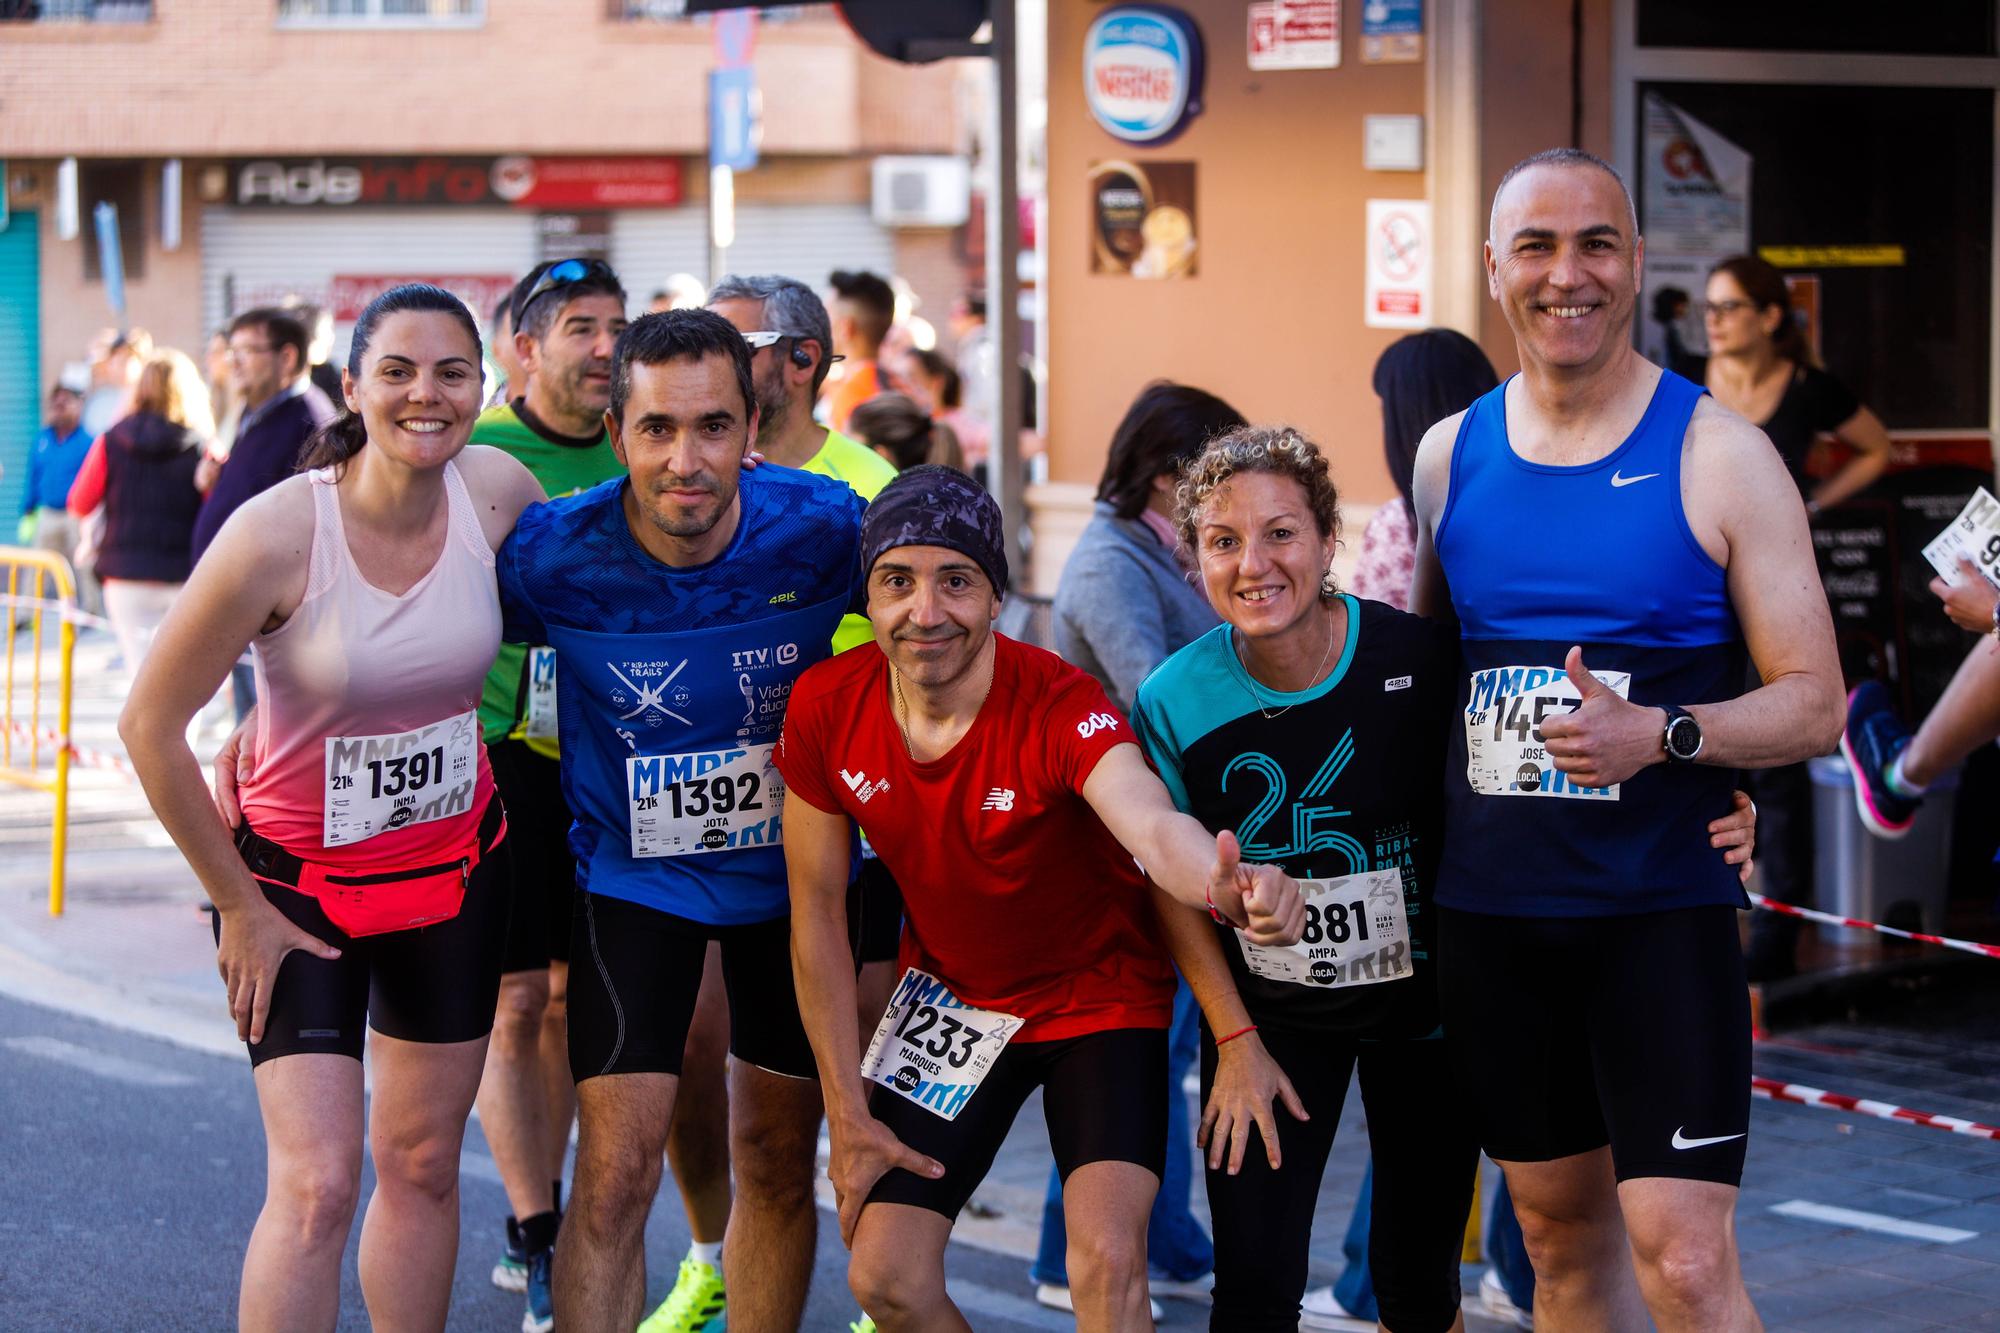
1015,894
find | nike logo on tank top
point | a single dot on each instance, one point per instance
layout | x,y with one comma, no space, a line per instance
1540,558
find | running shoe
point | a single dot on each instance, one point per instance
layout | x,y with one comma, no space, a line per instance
862,1325
1056,1296
696,1302
1322,1312
540,1316
1493,1299
1871,743
1197,1289
511,1273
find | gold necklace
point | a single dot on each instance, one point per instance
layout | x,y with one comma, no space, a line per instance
1255,685
902,709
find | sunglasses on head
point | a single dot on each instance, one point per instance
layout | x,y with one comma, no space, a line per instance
562,275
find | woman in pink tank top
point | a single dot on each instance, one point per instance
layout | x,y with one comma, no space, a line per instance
366,883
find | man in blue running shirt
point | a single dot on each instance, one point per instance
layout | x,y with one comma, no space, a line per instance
1597,509
682,602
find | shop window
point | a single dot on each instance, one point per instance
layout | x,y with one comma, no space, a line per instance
1958,28
1883,197
668,10
76,11
124,185
384,13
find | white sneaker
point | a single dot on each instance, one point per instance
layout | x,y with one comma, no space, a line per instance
1323,1312
1197,1289
1493,1299
1057,1298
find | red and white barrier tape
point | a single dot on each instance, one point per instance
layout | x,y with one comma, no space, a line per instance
1773,1090
1807,913
68,610
81,755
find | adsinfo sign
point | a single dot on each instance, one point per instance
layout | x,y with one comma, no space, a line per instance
1142,72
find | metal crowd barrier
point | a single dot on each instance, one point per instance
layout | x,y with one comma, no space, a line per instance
24,742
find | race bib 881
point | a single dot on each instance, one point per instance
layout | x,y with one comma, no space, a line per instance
1505,754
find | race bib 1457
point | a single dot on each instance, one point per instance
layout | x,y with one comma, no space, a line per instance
1504,751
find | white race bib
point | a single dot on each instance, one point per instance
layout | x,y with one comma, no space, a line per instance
541,694
377,783
1974,535
704,801
1357,933
932,1048
1504,751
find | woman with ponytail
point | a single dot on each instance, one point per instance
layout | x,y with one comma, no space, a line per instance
363,879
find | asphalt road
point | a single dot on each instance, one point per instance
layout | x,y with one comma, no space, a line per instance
131,1171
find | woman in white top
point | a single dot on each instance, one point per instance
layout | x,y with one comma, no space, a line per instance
366,591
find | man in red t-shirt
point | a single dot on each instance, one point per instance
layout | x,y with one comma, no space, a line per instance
1008,798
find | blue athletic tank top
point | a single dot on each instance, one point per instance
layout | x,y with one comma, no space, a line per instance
1540,558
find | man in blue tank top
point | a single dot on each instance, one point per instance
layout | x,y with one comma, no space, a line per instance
1611,542
683,601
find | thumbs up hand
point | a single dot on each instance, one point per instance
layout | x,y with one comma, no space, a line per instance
1262,901
1606,739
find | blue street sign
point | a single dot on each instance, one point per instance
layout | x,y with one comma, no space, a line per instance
733,131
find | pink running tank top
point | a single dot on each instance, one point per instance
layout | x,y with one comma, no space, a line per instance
367,754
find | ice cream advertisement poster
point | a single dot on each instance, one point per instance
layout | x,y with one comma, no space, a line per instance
1143,219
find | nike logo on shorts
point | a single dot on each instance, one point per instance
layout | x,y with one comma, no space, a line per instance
1685,1143
1617,480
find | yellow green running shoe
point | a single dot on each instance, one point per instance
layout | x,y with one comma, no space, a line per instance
696,1302
862,1325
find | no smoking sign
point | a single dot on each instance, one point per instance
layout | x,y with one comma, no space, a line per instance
1398,283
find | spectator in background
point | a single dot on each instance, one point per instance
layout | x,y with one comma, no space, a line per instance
1126,602
54,459
222,400
933,381
318,324
512,381
1670,305
142,472
280,411
1421,379
863,309
1760,367
683,291
894,426
115,360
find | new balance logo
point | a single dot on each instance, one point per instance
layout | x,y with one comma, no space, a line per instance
864,790
1095,723
1000,798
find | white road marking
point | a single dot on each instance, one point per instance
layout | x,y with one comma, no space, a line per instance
1877,1222
97,1062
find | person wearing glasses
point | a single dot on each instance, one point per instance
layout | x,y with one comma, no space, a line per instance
566,318
790,337
281,408
1761,367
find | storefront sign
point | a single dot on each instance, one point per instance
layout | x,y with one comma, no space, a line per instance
1392,32
1294,34
1398,283
1142,218
573,236
349,293
522,182
1142,70
1833,256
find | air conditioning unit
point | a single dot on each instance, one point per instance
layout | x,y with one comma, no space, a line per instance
922,191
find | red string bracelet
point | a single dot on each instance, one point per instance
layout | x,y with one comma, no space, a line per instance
1220,1042
1208,893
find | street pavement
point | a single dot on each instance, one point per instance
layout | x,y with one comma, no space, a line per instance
134,1155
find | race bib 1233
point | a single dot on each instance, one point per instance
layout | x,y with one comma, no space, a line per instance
932,1047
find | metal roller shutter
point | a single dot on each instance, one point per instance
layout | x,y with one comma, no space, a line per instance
254,256
804,241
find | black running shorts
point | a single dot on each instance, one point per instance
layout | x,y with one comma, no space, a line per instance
874,913
436,983
1573,1032
544,872
634,974
1100,1097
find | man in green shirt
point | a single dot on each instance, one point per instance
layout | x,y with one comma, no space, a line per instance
565,318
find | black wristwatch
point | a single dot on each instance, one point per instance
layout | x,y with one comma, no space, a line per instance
1682,737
